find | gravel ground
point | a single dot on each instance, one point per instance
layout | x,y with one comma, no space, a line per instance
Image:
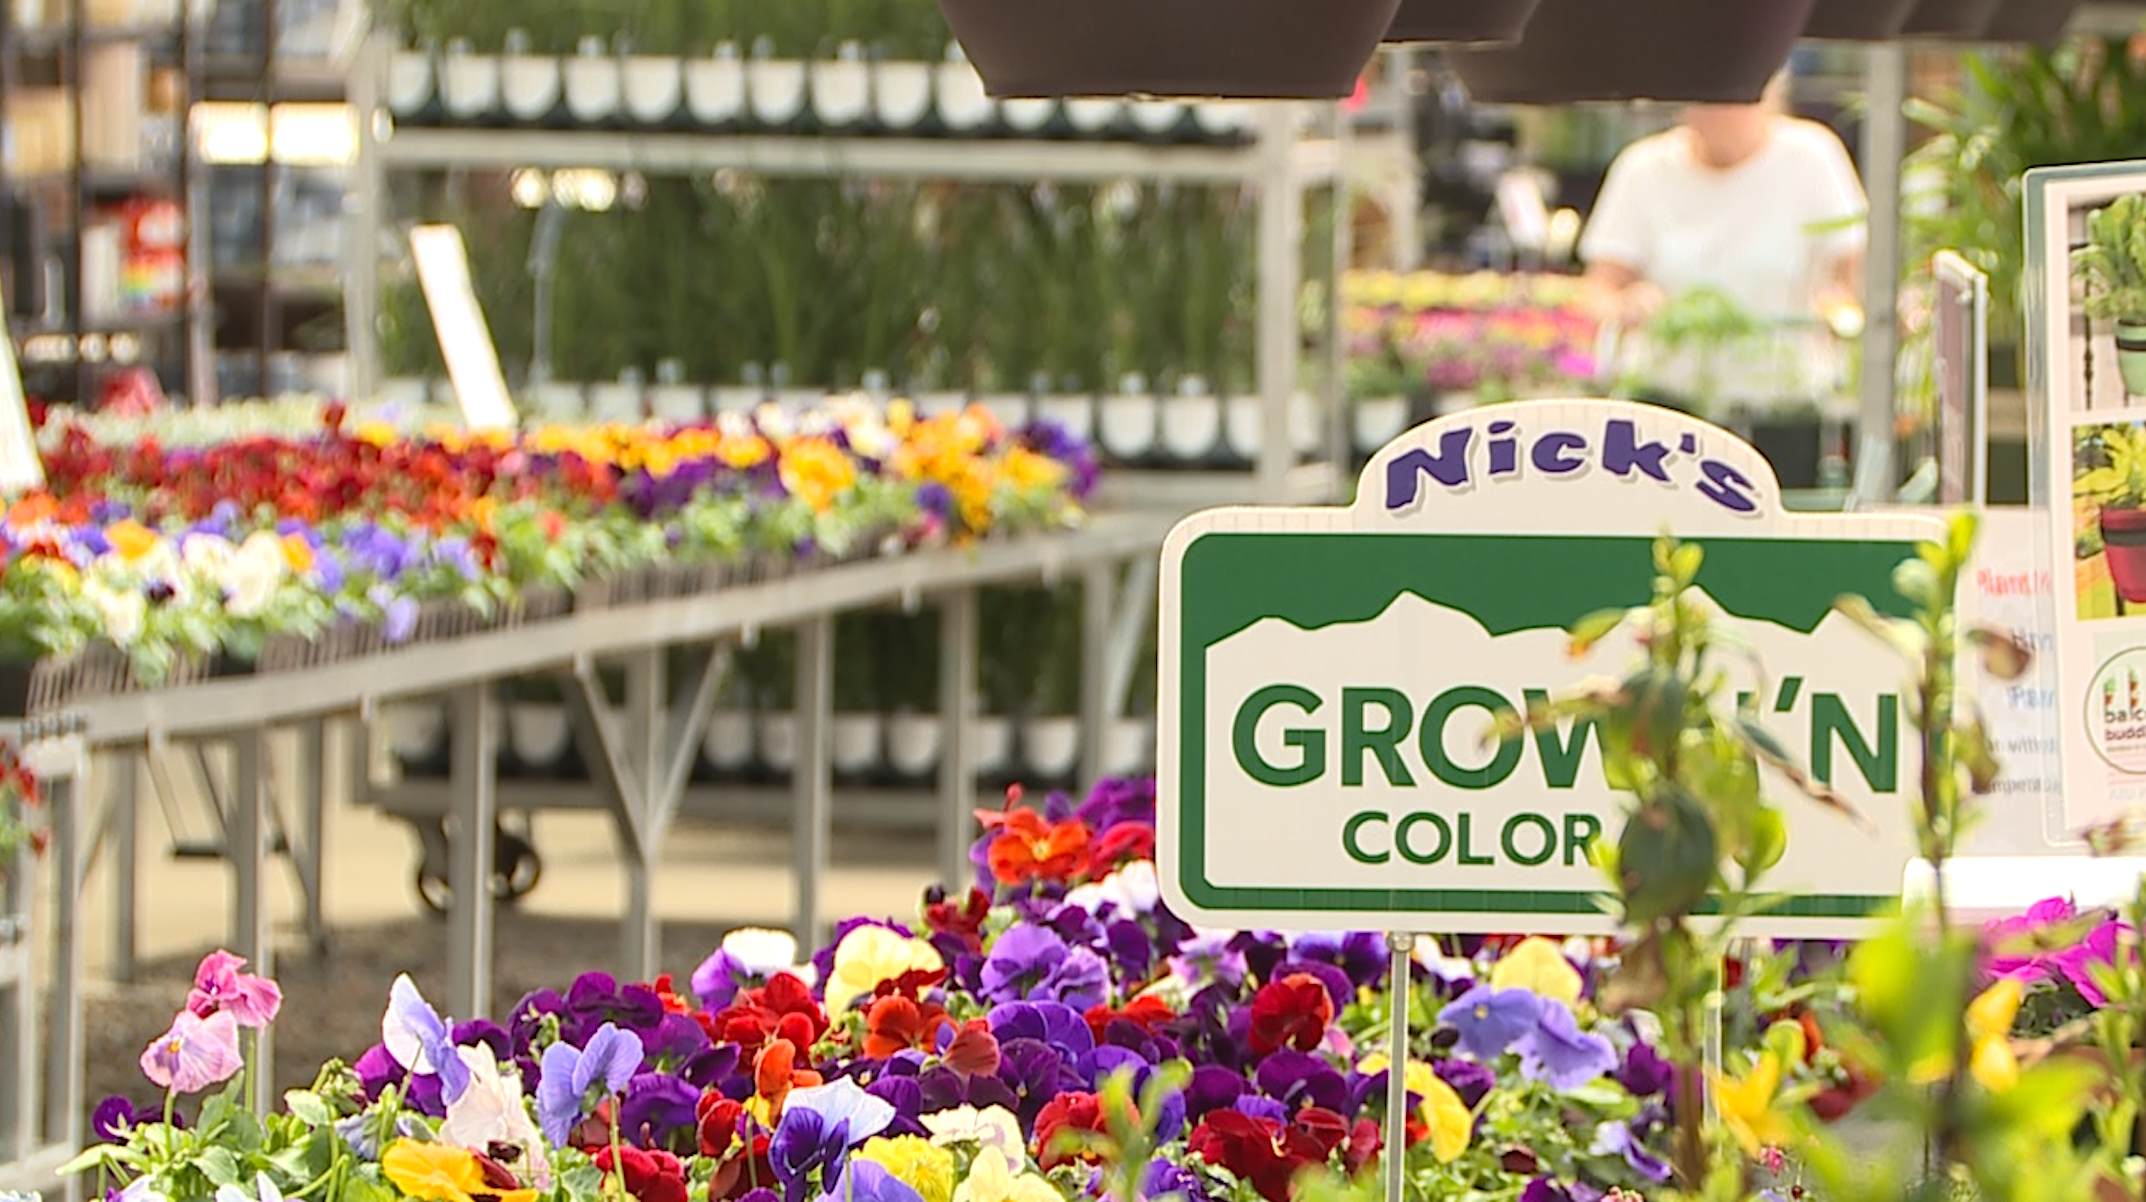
331,1007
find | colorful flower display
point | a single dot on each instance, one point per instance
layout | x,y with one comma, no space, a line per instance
299,522
1495,336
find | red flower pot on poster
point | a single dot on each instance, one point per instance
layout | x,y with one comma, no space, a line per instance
1951,19
2123,538
1859,20
1677,50
1461,21
1231,49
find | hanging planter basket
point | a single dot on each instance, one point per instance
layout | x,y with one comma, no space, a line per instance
1859,20
1461,21
1581,50
2034,22
1229,49
1952,20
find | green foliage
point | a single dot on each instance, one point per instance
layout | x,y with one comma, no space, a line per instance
2112,264
792,28
2110,466
2017,110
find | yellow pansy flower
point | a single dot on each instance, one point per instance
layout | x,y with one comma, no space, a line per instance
1538,967
916,1162
131,539
1747,1106
441,1173
992,1179
298,553
1450,1121
869,955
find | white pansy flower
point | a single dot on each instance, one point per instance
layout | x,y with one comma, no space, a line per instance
992,1127
265,1191
250,579
492,1112
206,553
1133,890
773,420
122,613
763,953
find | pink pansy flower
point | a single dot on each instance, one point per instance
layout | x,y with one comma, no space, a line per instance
220,986
2024,959
196,1053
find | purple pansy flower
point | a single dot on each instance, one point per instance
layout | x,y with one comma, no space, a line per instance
819,1125
420,1040
610,1059
1033,963
1490,1021
1618,1139
1558,1053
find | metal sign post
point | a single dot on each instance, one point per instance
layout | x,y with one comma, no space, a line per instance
1960,339
1397,991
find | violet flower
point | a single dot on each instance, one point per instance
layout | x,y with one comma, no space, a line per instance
571,1074
195,1053
657,1109
1618,1139
1029,962
1472,1081
819,1126
1491,1020
420,1040
1645,1073
1559,1053
1209,958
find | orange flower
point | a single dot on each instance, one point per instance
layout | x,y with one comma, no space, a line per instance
896,1023
1031,849
131,539
775,1074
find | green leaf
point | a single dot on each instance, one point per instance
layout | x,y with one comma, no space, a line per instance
220,1165
1768,843
1595,627
308,1108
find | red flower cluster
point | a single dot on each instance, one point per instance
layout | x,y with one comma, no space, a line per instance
1061,1120
1292,1012
738,1145
1145,1012
964,922
1270,1155
899,1018
649,1175
784,1008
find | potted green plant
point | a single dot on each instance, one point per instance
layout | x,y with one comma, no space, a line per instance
2112,265
1581,50
1461,20
1242,49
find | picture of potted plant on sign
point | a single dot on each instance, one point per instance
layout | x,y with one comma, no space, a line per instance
2112,266
2109,519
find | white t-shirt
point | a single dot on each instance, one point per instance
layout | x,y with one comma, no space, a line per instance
1764,232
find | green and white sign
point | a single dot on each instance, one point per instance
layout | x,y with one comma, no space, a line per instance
1329,677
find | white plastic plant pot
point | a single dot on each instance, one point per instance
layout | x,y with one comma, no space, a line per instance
539,733
655,88
1155,118
964,106
715,88
529,86
1128,747
1050,747
739,398
1376,421
682,403
796,401
1031,116
1191,426
594,87
1072,411
775,91
417,730
855,743
411,83
1244,426
1126,424
776,741
469,83
842,89
1093,117
901,94
1306,434
994,745
615,402
728,745
561,401
1218,119
913,743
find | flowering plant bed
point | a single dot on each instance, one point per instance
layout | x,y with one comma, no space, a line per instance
1496,336
279,535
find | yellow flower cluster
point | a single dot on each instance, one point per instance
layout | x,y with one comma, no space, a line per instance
916,1162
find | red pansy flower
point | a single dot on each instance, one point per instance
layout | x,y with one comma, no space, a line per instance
1145,1012
974,1051
649,1175
964,922
1067,1113
1292,1012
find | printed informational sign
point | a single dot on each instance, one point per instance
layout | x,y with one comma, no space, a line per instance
2087,392
21,467
1960,347
2009,589
465,339
1330,677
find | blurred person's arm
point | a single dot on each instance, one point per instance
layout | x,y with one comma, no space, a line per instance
1616,247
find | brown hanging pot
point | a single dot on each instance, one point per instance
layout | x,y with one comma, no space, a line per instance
1679,50
1955,20
1461,21
1230,49
2035,22
1858,20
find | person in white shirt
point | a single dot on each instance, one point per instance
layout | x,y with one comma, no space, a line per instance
1760,207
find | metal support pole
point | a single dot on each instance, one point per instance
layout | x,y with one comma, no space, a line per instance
473,782
813,776
66,1067
1884,144
1098,612
252,934
362,208
1397,992
1281,233
640,930
957,740
310,779
119,795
